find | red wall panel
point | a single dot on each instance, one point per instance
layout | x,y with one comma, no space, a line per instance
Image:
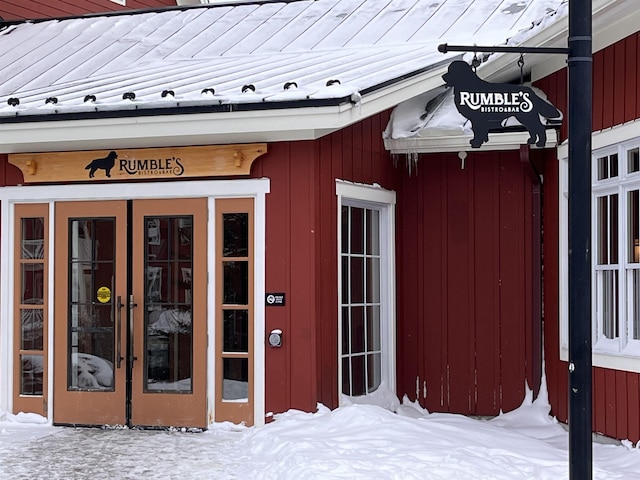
302,255
35,9
616,409
464,265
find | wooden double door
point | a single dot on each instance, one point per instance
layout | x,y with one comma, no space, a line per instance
130,326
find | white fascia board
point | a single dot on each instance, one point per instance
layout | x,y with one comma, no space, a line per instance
460,143
606,138
613,20
269,125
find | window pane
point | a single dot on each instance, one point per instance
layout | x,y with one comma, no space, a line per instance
373,328
603,167
373,280
609,303
633,160
168,349
236,283
235,383
32,283
346,376
357,230
357,330
613,228
358,376
236,234
31,374
373,232
168,328
633,233
374,368
613,165
344,222
32,238
346,338
345,279
356,275
32,332
603,230
91,324
235,331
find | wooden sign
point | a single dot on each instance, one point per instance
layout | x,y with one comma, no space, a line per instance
138,164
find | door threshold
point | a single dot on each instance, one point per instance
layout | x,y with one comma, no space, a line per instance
134,427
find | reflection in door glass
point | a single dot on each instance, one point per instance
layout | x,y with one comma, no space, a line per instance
32,370
91,316
235,385
168,304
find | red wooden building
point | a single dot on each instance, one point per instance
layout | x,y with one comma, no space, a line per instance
202,220
32,9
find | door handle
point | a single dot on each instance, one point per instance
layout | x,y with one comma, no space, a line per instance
119,356
132,305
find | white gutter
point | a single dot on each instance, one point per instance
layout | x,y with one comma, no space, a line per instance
269,125
460,143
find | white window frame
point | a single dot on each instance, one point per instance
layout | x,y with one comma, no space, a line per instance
373,196
623,352
120,2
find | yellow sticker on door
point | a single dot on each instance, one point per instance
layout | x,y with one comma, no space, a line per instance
104,294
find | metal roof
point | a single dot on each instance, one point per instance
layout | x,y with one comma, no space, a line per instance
256,56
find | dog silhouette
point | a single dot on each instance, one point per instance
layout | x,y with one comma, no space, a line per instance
105,163
486,105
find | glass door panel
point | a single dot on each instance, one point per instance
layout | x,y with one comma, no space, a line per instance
169,317
91,309
234,296
157,268
30,345
91,274
168,304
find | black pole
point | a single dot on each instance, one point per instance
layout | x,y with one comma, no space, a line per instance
580,91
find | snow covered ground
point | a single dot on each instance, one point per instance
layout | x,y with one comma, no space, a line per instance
357,441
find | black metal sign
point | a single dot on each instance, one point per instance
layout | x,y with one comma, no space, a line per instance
487,105
274,299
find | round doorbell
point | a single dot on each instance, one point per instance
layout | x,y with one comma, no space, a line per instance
275,338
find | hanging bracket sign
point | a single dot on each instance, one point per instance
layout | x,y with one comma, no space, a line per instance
138,164
487,105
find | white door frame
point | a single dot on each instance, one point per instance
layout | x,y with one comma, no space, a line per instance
210,189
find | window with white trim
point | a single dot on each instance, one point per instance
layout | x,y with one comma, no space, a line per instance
615,240
616,249
366,317
615,228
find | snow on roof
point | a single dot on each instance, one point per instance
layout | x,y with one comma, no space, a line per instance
226,57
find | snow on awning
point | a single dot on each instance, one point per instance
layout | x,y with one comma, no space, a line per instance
430,123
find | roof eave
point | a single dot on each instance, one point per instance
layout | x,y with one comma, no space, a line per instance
271,124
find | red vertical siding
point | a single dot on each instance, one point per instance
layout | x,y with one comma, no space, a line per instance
462,264
302,255
35,9
616,409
